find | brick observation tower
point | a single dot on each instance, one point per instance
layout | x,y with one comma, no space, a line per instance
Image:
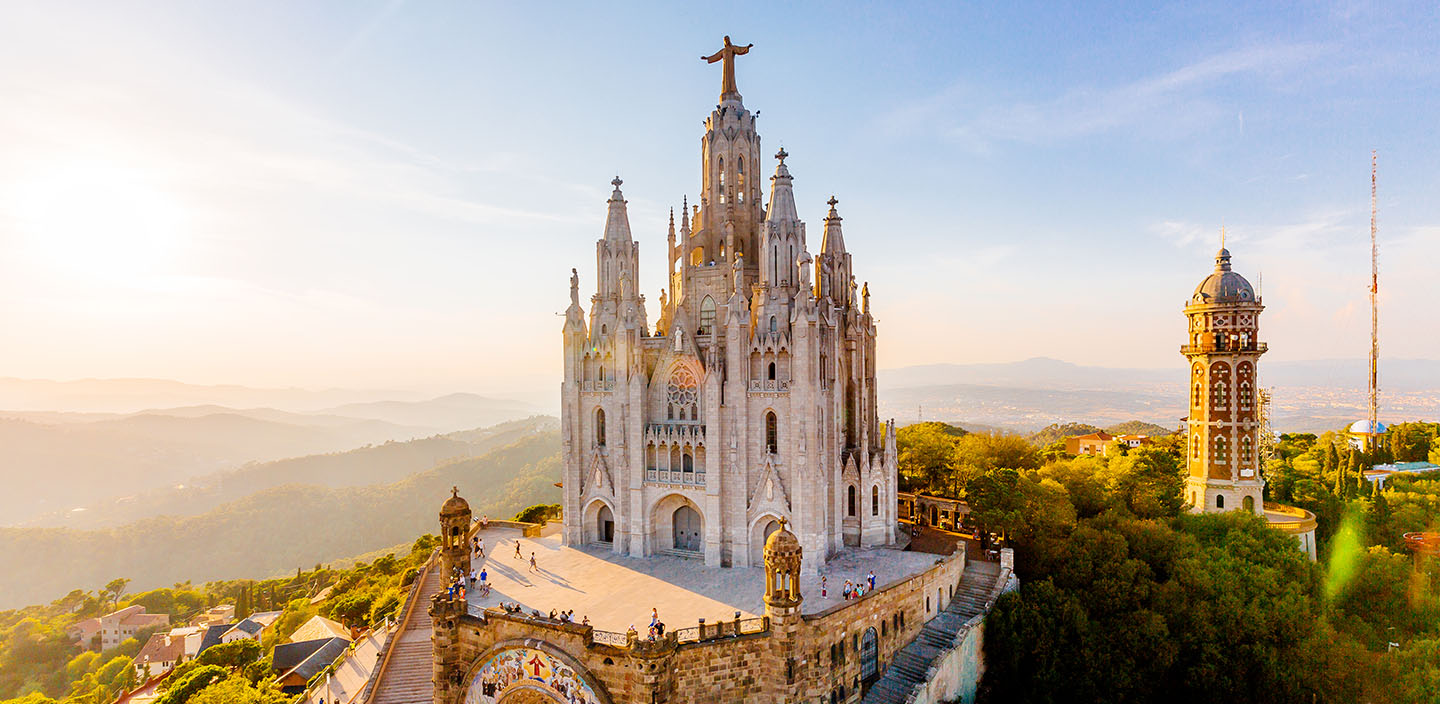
1224,425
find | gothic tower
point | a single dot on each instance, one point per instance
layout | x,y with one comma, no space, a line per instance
752,401
1224,353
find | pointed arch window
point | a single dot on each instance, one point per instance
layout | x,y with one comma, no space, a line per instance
720,163
1247,450
740,180
1220,450
1219,395
874,500
774,324
851,503
600,427
707,316
772,433
1247,396
771,372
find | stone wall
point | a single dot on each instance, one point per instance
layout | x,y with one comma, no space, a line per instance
782,658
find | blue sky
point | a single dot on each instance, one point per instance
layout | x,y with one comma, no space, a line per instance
392,194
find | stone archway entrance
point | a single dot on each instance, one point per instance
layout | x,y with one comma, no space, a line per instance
687,528
530,696
605,525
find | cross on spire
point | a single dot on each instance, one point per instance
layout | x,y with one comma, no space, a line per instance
782,154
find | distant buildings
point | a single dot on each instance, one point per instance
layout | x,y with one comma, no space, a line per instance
319,627
159,654
1364,436
1092,444
1381,473
115,627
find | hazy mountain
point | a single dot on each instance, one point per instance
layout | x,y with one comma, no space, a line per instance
1397,375
273,531
130,395
373,464
56,467
448,413
1034,393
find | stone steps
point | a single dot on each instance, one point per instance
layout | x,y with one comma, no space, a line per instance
407,678
911,665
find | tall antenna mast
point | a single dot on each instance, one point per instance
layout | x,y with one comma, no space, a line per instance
1374,316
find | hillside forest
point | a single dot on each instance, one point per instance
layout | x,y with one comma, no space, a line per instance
1126,597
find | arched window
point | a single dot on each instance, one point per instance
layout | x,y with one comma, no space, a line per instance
851,493
1247,396
1220,449
600,427
1219,501
772,433
874,500
740,180
1246,449
721,163
1219,395
772,371
1249,504
774,326
707,316
687,466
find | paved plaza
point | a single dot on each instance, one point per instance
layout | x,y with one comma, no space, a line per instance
617,592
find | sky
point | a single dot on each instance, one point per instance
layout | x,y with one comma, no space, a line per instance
392,194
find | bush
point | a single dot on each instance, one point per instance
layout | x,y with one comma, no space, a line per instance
539,513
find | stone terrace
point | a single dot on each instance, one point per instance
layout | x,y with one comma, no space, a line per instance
617,592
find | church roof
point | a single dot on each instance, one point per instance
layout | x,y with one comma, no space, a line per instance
617,221
782,194
1223,285
834,241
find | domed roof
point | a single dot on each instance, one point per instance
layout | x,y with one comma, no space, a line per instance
1224,285
454,504
782,541
1362,427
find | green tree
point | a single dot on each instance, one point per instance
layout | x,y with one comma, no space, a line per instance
925,456
179,690
114,589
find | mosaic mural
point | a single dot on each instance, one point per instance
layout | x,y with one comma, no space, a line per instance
518,674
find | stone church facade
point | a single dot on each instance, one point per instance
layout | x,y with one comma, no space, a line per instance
752,399
1224,423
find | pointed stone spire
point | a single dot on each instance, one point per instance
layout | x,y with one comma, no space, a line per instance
782,195
617,221
834,241
684,215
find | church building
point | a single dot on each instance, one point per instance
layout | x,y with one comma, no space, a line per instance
752,398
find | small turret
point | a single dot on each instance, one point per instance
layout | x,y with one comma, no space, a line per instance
454,529
617,221
782,194
782,572
834,242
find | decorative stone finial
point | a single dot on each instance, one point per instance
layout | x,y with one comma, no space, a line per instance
455,491
782,154
616,183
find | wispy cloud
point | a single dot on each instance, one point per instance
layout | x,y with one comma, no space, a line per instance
1177,100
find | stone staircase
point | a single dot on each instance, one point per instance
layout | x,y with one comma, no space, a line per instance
910,666
407,675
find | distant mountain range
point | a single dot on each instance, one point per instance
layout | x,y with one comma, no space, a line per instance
58,460
1028,395
279,528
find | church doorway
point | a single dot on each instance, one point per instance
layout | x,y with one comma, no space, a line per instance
869,657
605,525
686,529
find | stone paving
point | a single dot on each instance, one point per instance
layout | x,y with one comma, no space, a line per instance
617,592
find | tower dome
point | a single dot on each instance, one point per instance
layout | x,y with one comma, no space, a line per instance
454,505
1223,285
782,543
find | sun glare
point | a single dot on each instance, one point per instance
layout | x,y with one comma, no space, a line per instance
98,220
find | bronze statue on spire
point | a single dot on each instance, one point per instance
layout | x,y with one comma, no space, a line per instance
727,55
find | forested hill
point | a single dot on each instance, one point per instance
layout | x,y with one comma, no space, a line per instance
275,530
372,464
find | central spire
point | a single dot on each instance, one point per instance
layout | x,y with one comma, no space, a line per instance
727,55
